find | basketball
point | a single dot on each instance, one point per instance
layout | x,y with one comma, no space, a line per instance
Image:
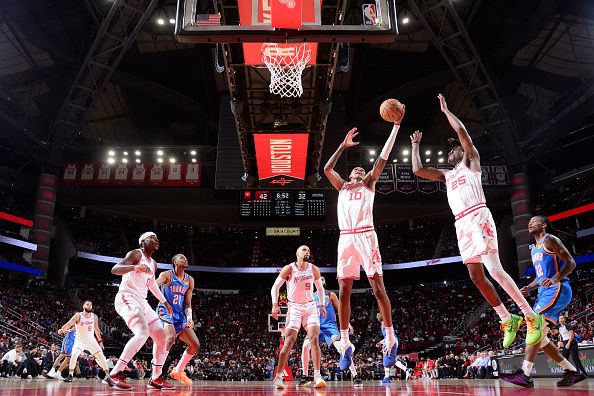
391,110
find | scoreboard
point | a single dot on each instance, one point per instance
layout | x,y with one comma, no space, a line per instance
282,204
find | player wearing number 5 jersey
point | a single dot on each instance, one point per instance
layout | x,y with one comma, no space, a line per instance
177,287
475,228
358,245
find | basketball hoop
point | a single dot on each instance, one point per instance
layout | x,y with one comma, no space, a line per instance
286,64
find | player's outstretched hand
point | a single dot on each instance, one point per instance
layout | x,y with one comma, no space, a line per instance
141,267
416,137
323,312
547,282
348,140
525,291
62,331
275,311
189,324
442,103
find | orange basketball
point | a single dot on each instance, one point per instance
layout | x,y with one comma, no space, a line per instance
392,110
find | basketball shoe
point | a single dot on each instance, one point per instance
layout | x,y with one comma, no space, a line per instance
510,328
518,378
181,377
117,381
346,356
319,382
534,329
571,377
278,383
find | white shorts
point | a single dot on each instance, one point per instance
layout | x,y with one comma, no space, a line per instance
477,235
91,346
305,315
128,305
356,250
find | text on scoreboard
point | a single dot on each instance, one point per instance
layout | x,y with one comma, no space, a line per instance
278,204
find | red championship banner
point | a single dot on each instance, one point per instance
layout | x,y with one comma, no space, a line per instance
252,52
281,154
121,174
193,174
174,174
70,174
139,174
104,174
156,174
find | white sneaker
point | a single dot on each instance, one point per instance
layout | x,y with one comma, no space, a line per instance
278,383
319,382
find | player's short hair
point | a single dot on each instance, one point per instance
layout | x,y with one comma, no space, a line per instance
86,301
175,258
547,222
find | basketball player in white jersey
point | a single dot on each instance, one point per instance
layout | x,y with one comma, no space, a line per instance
475,228
138,270
87,328
358,245
302,311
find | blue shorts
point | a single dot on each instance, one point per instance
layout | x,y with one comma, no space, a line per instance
177,320
327,332
552,301
67,344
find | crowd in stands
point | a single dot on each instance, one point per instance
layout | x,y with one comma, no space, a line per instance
235,342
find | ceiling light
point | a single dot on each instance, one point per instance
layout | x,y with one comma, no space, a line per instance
172,160
405,160
159,160
372,152
138,160
427,159
439,152
159,152
172,21
371,159
111,153
440,160
428,152
161,21
194,160
404,152
125,160
395,160
405,20
137,152
193,152
111,160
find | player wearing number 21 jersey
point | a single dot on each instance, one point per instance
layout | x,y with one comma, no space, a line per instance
475,228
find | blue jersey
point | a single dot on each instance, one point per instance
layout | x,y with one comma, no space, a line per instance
175,291
330,314
546,264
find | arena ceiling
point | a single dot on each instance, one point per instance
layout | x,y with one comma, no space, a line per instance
539,54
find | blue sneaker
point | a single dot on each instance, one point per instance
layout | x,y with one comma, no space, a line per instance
390,356
386,380
346,357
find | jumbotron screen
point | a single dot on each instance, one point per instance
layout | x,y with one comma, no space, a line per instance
282,204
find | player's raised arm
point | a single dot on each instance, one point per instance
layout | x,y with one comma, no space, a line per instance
554,244
418,169
458,126
73,320
380,163
329,171
128,263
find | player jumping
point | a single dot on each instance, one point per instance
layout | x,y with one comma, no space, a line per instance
358,245
177,287
87,328
138,270
475,228
552,263
302,311
328,333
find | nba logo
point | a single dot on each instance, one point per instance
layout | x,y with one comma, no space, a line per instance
369,14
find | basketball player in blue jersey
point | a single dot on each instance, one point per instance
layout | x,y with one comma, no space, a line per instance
328,333
552,263
63,360
177,286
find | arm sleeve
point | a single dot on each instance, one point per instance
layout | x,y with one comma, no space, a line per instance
157,292
319,290
276,288
188,312
390,143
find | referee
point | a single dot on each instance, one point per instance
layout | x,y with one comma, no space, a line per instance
570,346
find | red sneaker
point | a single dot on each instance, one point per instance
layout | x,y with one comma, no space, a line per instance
117,381
155,383
166,384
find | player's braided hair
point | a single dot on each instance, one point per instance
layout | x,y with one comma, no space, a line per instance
175,258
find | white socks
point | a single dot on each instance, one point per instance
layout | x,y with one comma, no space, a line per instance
527,367
344,338
386,372
566,365
503,313
353,369
305,357
183,361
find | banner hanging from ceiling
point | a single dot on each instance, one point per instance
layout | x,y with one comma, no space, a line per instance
281,158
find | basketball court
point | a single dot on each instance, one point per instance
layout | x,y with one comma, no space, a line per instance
543,387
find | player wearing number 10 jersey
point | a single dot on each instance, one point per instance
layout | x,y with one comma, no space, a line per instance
475,228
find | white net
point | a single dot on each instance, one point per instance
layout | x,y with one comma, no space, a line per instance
286,64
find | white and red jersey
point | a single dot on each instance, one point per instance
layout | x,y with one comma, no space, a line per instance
300,284
85,328
137,283
465,190
355,207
